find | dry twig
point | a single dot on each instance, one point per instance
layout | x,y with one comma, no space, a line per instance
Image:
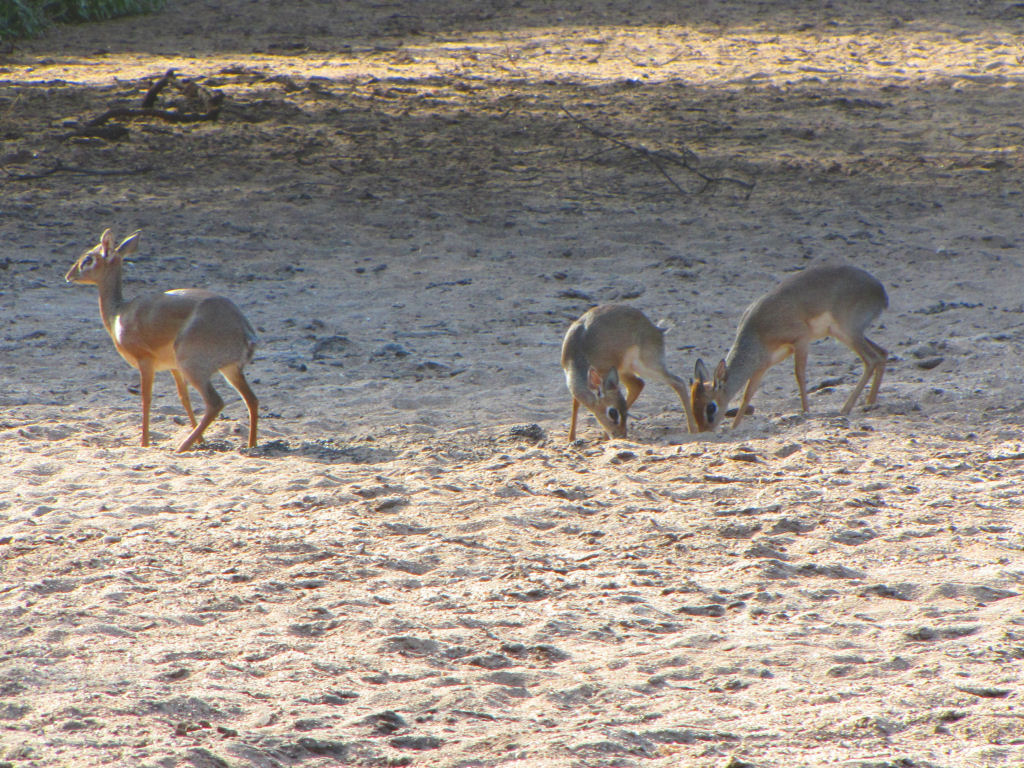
660,159
206,106
170,115
154,90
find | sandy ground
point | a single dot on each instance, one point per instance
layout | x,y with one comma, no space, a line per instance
411,202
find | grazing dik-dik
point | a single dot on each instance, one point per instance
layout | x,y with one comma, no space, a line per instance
837,301
191,332
609,344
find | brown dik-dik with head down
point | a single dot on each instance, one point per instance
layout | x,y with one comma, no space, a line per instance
191,332
610,344
837,301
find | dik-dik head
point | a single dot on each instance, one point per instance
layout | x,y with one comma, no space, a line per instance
707,396
89,268
609,406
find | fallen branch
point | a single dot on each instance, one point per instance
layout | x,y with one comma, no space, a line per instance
154,90
61,168
659,159
202,105
169,115
113,132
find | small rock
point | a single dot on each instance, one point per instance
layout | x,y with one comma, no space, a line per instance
173,675
882,590
331,347
621,457
338,698
385,722
550,653
738,531
335,749
752,458
510,679
791,525
926,634
391,504
491,661
701,610
434,368
412,646
985,692
763,550
527,431
415,742
853,537
573,293
391,349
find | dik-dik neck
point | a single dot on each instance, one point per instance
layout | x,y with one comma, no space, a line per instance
745,358
111,298
577,379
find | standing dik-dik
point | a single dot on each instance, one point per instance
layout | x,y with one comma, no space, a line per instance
191,332
609,344
838,301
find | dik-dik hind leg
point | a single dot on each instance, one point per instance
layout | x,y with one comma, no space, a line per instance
800,370
236,378
883,358
213,404
874,358
186,401
572,419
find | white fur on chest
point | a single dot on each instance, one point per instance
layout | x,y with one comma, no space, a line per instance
120,334
127,343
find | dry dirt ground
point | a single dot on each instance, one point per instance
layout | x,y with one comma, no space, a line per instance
411,202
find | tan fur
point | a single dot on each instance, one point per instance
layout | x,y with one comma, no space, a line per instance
191,332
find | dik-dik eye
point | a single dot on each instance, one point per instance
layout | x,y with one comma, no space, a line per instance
613,415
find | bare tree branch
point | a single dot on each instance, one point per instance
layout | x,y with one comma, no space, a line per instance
659,159
154,90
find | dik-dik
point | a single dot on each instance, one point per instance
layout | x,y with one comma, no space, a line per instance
191,332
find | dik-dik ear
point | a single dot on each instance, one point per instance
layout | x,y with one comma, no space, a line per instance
700,372
720,374
601,385
107,243
611,380
130,244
